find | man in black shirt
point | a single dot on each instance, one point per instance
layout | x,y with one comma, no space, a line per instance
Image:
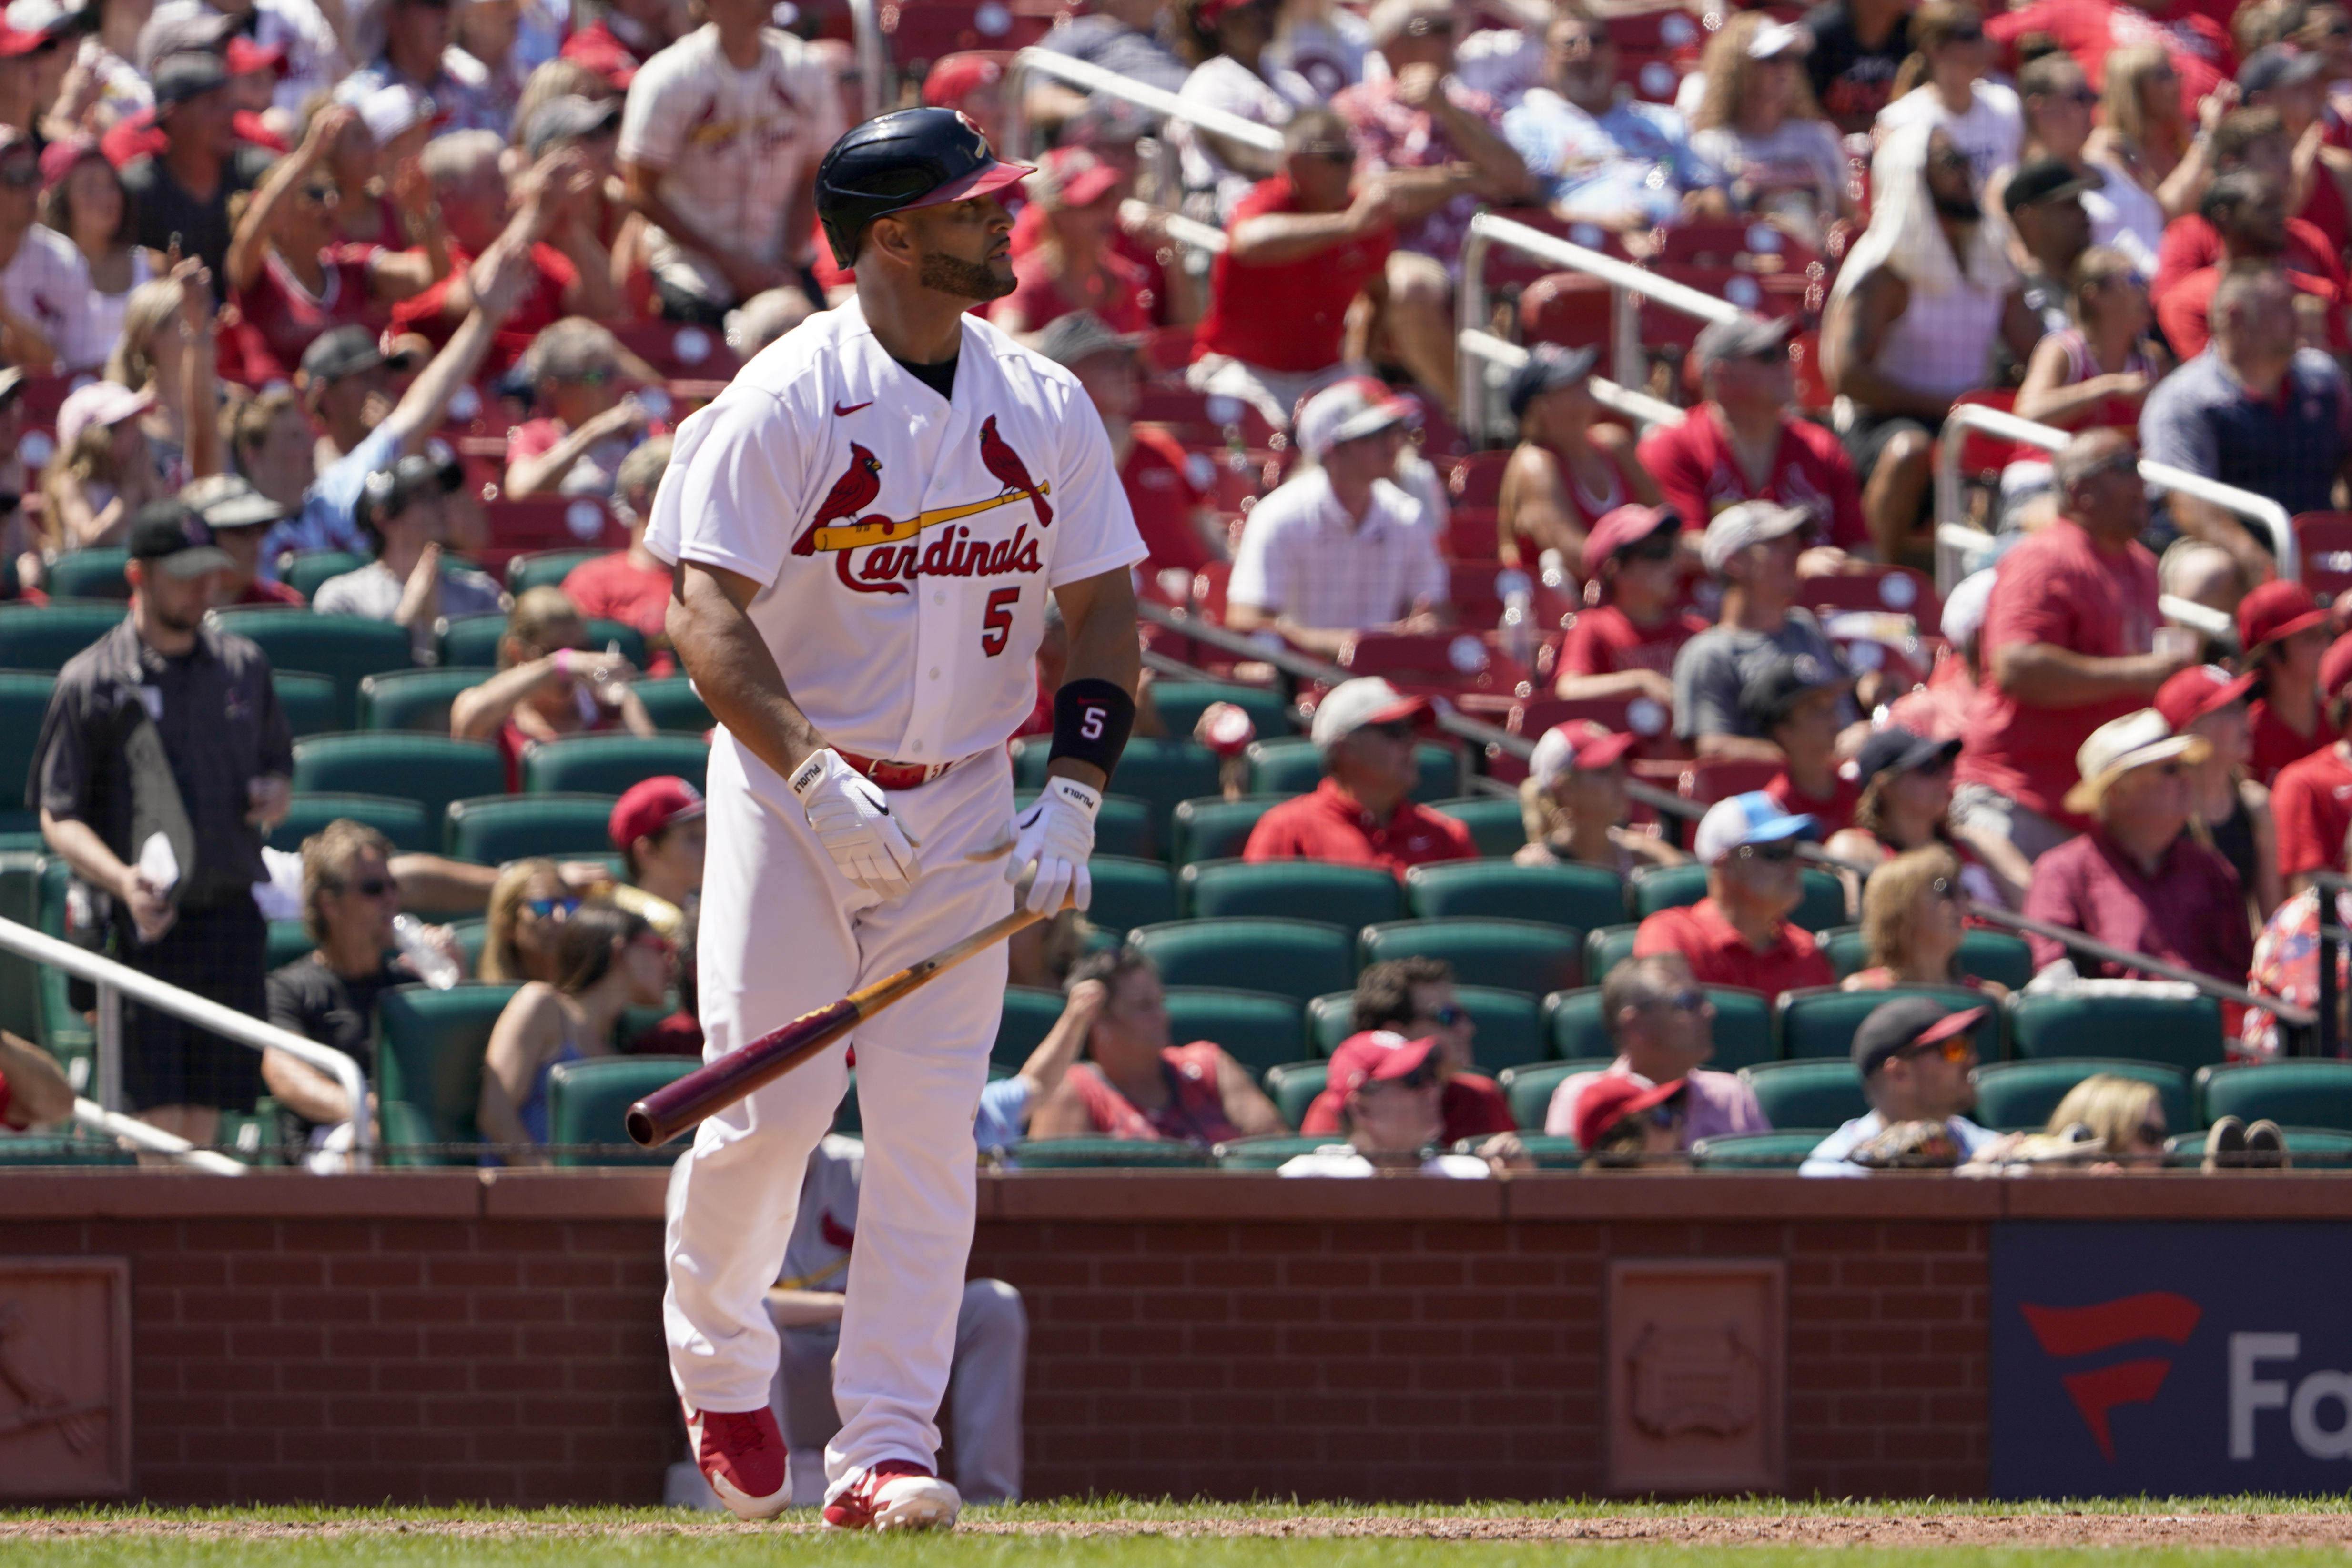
182,192
167,730
1857,47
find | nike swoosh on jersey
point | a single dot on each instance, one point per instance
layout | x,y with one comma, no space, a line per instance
840,412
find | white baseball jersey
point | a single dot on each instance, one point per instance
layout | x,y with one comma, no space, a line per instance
907,542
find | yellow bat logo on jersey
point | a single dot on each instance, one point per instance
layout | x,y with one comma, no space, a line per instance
889,531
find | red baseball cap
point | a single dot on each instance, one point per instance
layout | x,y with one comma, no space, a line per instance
651,805
2336,667
958,76
2191,694
1610,1098
1624,527
60,157
1376,1056
243,55
1077,178
2277,609
1575,746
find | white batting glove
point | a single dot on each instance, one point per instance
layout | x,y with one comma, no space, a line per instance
1057,834
853,823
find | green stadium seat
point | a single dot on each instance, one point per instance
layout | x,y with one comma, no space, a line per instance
1180,704
608,764
471,934
402,821
2020,1096
20,979
471,641
309,702
1256,1029
1992,956
2310,1148
412,699
1679,886
2293,1093
43,637
1494,823
1030,1014
2178,1031
287,940
250,1138
673,703
429,1058
1550,1152
1581,896
496,829
1758,1151
1350,896
76,1148
1269,1154
1289,765
24,701
1295,958
1162,774
1509,1024
1109,1154
587,1101
306,571
90,574
1820,1093
347,649
1529,1087
1509,955
1293,1087
1820,1022
63,1031
1330,1019
430,770
1606,948
1743,1027
845,1118
1212,827
1122,828
1129,892
545,568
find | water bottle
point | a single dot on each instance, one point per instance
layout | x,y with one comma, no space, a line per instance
613,687
433,966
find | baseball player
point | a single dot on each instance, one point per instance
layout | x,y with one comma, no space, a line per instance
865,526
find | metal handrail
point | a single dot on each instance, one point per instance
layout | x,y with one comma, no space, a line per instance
1093,79
1179,228
1634,405
1624,280
140,1134
876,78
228,1023
1969,416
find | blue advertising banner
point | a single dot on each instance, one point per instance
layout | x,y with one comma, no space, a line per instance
2170,1359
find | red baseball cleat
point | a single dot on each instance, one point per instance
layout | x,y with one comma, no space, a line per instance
742,1456
894,1495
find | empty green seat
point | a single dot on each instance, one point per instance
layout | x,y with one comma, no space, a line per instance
1743,1027
2020,1096
496,829
1509,955
430,770
1293,1087
24,701
1122,828
347,649
545,568
2292,1094
1350,896
1820,1093
1992,956
43,636
64,1032
1822,1021
309,702
1289,765
1213,828
588,1101
1758,1151
429,1059
1581,896
1257,1029
1129,892
412,699
1606,948
1180,704
1493,823
2179,1031
1529,1087
471,934
609,764
306,571
1109,1154
673,703
1679,886
90,574
1030,1013
75,1148
287,940
1330,1019
1269,1154
1162,774
402,821
1295,958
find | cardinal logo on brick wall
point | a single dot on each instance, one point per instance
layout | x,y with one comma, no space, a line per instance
29,1372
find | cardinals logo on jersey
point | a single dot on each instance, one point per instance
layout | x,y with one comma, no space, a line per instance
892,558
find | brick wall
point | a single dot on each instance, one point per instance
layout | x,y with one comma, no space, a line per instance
448,1335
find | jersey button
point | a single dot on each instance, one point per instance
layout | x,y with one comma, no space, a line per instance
918,747
935,672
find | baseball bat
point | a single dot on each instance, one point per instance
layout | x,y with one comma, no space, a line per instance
712,1087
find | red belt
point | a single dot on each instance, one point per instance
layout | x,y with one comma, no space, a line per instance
893,774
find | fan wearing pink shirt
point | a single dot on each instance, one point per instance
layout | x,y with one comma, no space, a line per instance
1624,646
1663,1028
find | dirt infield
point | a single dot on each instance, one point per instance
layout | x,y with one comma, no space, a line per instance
1880,1532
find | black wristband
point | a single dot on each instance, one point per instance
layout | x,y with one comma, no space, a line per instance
1091,721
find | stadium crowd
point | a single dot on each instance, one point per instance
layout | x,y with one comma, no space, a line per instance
382,312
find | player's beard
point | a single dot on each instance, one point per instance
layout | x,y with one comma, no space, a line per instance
964,279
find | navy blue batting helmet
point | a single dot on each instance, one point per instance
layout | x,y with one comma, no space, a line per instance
893,163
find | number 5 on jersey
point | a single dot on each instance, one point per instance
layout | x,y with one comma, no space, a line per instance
996,624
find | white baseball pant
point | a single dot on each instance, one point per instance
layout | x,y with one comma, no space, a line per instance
783,933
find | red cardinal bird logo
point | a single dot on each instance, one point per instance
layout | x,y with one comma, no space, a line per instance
1010,471
851,494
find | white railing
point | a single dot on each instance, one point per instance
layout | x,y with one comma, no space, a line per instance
2259,509
1626,283
1634,405
877,79
1093,79
114,981
1182,230
152,1140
